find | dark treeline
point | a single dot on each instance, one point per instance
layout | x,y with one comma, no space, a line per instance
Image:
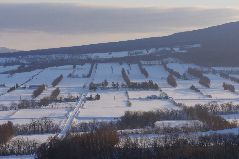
213,122
13,88
6,132
228,87
125,76
93,126
171,80
138,85
55,93
27,104
22,85
37,126
143,70
171,71
38,91
134,120
203,80
144,119
104,144
103,85
227,76
43,64
195,72
97,144
19,147
137,120
221,109
144,85
56,81
45,101
53,97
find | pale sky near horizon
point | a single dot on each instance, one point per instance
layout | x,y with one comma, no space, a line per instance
36,24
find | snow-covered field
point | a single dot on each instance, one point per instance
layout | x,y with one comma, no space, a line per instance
113,103
18,157
39,138
157,74
24,116
134,73
110,72
181,68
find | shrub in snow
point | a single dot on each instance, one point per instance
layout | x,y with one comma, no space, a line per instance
171,71
38,91
228,87
6,132
171,80
57,81
194,88
195,72
129,104
205,81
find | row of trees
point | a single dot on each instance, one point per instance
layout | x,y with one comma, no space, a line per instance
228,87
13,88
138,85
135,120
37,126
203,80
125,76
38,91
195,72
91,98
227,76
143,119
53,97
30,104
221,109
171,71
104,144
213,122
171,80
19,147
92,145
56,81
143,70
103,85
6,132
144,85
22,85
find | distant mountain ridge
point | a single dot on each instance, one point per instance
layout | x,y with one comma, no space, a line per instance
219,45
7,50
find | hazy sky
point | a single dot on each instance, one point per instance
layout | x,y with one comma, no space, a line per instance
35,24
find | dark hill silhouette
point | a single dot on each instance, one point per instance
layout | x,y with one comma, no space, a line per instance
219,45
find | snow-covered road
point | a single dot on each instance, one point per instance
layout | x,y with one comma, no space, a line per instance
72,115
80,104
